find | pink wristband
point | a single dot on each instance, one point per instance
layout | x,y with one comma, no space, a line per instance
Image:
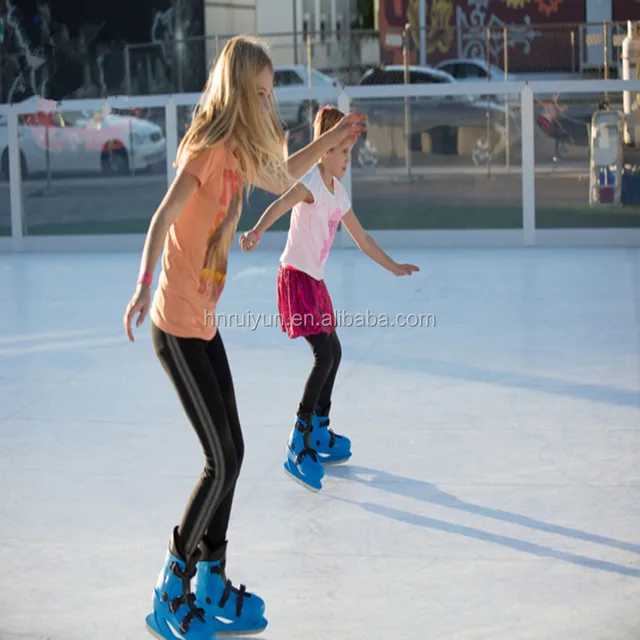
146,278
257,234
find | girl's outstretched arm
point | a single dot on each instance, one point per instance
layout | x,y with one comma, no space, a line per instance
351,126
276,210
180,192
370,247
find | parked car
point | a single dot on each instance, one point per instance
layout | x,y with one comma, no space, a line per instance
476,70
427,112
440,116
81,141
473,70
394,74
287,83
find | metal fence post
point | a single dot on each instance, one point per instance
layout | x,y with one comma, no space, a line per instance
127,70
309,54
47,151
407,109
488,112
528,168
606,55
178,58
423,31
506,102
18,225
171,125
344,104
310,83
295,32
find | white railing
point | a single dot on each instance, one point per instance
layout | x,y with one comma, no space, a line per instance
528,235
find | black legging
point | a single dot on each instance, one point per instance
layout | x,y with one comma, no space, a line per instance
199,371
327,354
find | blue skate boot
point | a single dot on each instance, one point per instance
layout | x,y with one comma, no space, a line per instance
302,462
331,447
175,614
229,610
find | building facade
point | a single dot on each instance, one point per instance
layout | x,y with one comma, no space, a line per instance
283,23
542,35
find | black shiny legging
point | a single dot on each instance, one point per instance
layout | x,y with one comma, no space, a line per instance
200,373
327,353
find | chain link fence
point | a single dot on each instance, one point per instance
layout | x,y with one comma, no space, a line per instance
180,66
583,50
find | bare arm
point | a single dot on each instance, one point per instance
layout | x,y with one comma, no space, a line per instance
274,212
181,191
370,247
300,162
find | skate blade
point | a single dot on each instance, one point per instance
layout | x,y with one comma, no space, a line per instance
153,633
152,627
300,481
231,632
334,463
228,633
330,461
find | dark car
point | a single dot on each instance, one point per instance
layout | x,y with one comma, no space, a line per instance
427,112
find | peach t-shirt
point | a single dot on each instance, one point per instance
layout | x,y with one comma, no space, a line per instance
183,305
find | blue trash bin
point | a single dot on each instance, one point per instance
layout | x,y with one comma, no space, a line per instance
630,187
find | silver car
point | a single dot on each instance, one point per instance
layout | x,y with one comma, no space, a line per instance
427,112
440,116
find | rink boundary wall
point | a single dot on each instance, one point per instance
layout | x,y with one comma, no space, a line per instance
528,235
390,239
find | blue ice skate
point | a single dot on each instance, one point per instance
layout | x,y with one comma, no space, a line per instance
231,611
331,447
175,614
302,462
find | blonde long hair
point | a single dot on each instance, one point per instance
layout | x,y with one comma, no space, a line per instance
229,109
213,274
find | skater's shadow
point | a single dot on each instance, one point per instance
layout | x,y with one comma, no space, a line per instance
426,492
497,377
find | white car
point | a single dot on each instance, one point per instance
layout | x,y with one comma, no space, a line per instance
288,81
83,141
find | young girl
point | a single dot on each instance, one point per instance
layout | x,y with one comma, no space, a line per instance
319,203
235,139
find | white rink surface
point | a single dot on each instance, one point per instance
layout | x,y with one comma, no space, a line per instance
494,491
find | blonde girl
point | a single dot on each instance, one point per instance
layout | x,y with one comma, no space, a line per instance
235,141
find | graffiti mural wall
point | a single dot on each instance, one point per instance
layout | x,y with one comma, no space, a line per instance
76,49
457,28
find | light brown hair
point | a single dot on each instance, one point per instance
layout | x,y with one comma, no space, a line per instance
327,118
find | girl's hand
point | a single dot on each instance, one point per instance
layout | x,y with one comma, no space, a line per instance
139,304
249,240
349,128
404,269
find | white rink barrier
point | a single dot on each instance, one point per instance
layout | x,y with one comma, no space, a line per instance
521,96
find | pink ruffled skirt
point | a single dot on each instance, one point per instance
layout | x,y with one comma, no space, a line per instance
304,304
